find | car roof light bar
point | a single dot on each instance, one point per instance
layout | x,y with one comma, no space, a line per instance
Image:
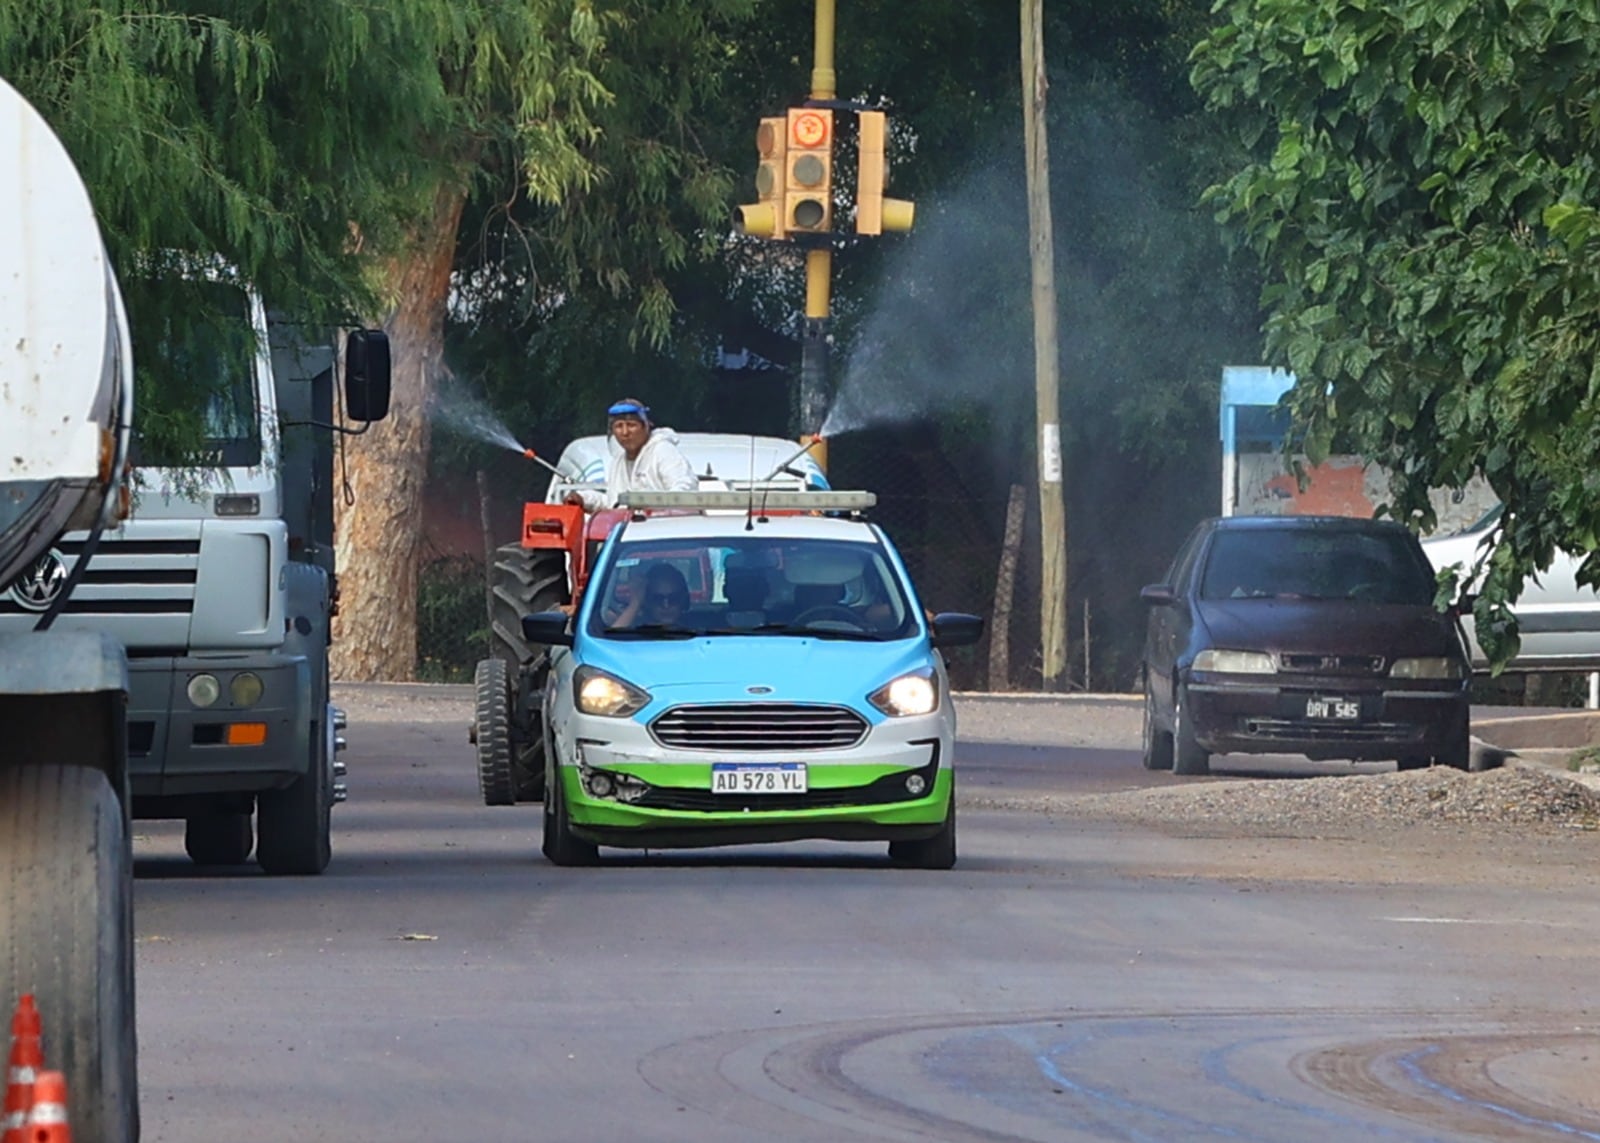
776,501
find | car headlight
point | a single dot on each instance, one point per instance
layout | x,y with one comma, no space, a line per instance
916,693
246,688
596,692
1235,662
1436,667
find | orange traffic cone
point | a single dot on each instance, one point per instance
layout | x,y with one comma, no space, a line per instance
22,1069
47,1122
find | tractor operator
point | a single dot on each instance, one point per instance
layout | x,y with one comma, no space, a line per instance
644,458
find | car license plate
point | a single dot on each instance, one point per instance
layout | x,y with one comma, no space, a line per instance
764,778
1333,709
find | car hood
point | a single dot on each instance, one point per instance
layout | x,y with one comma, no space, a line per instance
1328,627
724,668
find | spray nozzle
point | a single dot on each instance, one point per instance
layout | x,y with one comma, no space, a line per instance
533,456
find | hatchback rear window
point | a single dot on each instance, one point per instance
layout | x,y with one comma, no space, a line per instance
1304,563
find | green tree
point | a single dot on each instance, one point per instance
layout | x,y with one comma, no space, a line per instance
1419,189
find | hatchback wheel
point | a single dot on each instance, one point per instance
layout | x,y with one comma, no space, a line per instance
1157,742
1189,758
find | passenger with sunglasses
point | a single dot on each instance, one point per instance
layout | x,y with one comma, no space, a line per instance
644,458
661,600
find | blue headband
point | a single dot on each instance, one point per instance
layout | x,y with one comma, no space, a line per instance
629,409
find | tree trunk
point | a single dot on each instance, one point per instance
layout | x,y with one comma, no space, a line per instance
379,535
1005,587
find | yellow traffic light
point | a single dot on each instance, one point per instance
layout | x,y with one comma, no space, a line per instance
875,213
764,219
809,171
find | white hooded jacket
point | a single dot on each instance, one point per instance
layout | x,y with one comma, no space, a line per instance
659,467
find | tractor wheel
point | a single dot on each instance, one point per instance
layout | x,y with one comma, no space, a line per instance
526,581
493,733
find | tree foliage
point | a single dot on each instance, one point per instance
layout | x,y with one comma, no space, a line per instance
1420,190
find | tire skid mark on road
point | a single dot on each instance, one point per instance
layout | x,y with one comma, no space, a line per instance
831,1076
1446,1081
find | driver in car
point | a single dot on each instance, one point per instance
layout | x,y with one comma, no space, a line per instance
662,600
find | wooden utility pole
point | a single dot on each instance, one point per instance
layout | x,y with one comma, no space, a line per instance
1046,354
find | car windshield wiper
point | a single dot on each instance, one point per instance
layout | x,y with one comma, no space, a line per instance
653,631
817,632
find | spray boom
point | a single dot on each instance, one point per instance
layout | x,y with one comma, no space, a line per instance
811,442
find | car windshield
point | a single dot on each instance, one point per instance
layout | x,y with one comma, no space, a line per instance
1311,563
756,586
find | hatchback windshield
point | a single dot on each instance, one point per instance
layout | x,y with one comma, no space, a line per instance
1306,563
664,589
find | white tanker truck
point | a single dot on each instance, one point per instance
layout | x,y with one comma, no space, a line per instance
66,391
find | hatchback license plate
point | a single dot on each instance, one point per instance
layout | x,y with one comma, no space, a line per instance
739,778
1334,709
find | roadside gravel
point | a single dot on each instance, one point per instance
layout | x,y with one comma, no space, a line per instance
1514,795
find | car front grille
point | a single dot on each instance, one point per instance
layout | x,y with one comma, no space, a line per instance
749,727
1286,730
1313,664
890,788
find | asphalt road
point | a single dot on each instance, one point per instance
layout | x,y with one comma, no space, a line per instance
1068,980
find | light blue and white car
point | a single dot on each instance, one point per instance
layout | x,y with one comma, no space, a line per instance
792,689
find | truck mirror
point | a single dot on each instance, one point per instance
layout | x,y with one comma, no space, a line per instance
366,375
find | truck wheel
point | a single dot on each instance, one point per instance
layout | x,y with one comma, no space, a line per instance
936,852
66,909
561,845
295,825
1189,758
218,839
493,733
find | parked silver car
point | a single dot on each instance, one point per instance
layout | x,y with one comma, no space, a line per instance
1559,621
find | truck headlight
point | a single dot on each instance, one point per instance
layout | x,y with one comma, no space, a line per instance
246,688
596,692
204,690
1235,662
916,693
1436,667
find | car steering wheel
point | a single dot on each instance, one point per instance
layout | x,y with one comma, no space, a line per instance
828,613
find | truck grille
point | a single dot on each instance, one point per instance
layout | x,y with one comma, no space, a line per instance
129,577
740,727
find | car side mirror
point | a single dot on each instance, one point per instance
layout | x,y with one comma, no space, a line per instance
550,628
955,629
366,375
1158,595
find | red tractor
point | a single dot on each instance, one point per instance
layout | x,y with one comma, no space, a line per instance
546,569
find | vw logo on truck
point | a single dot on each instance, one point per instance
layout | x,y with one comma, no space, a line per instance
37,588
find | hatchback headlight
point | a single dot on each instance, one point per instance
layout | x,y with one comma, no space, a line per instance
916,693
1437,667
1235,662
596,692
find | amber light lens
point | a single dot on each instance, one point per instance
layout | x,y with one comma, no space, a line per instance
246,734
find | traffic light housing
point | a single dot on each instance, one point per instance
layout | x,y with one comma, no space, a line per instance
808,198
875,213
765,218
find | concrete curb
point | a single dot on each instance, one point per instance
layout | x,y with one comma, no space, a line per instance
1571,731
